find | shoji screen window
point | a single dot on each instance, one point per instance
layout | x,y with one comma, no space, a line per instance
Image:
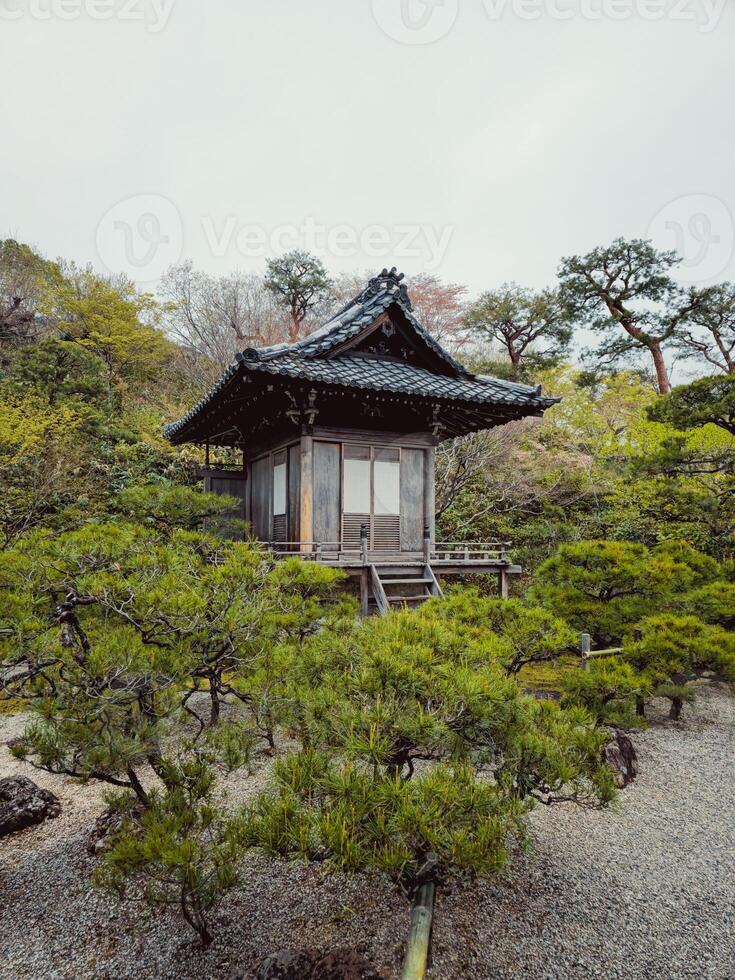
280,496
386,499
356,491
371,496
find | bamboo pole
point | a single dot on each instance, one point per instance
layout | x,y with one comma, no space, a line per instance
419,937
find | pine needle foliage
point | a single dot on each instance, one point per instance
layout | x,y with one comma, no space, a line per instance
416,741
183,851
112,632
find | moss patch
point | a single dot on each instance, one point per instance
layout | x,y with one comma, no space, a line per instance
12,706
546,676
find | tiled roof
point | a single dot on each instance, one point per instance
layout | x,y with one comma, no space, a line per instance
383,291
359,371
305,360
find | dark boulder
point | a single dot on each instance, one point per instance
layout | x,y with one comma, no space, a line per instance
102,836
621,756
23,804
314,964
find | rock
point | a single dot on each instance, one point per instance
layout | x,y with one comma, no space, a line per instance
621,756
345,964
100,838
314,964
23,804
286,964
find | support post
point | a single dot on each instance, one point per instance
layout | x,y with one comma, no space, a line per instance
306,523
503,584
364,544
429,491
364,592
585,645
427,544
206,454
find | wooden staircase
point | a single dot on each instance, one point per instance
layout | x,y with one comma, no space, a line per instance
397,586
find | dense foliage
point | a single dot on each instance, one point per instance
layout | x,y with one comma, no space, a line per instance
159,649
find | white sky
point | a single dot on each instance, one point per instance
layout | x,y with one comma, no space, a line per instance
511,141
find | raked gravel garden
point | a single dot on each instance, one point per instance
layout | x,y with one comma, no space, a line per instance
643,890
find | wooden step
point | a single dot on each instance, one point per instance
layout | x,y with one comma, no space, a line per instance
405,581
407,598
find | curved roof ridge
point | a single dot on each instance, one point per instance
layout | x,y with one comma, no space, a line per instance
381,292
301,360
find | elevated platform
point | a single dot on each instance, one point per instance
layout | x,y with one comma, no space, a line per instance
392,579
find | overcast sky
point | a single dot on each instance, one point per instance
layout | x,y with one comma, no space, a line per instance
476,139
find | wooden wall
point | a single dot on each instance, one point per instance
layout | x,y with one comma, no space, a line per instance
261,494
294,492
314,489
412,499
228,483
327,481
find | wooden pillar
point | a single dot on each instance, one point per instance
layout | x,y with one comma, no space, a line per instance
364,544
503,584
306,524
364,592
429,492
248,492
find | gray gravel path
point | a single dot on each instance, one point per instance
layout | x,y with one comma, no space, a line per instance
646,891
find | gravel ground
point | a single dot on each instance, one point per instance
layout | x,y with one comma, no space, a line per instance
643,891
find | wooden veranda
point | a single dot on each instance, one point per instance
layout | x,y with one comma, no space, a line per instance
393,579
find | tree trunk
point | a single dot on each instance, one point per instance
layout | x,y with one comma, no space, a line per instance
662,375
137,787
214,709
515,360
295,328
195,917
676,705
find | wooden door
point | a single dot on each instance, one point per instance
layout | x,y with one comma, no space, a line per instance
412,499
327,459
261,498
294,493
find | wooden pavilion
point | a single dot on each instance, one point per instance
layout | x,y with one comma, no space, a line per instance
338,433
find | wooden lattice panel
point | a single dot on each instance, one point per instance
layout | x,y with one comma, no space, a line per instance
351,524
279,527
386,532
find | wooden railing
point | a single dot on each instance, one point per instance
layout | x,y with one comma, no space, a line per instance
316,550
454,552
470,551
